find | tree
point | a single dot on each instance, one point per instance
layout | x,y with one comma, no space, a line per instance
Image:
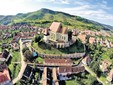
69,35
95,53
38,38
111,56
24,49
90,80
28,55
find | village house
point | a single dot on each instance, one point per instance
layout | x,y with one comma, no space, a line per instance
88,32
98,33
107,43
92,40
104,65
28,73
82,37
102,42
5,55
58,61
14,45
26,41
4,73
4,77
57,34
86,60
110,75
70,70
111,44
75,32
4,45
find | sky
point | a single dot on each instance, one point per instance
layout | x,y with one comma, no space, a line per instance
97,10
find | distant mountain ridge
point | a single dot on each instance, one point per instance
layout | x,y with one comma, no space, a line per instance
44,17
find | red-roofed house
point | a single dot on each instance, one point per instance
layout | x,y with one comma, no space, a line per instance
92,40
86,60
58,62
110,75
82,37
104,65
5,78
4,73
70,70
111,44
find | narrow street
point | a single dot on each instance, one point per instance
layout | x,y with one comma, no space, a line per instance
44,77
54,75
93,74
23,66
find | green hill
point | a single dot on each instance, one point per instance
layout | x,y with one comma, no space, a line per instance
44,17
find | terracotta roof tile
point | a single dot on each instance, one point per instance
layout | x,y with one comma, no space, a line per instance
57,27
110,75
71,70
4,76
57,61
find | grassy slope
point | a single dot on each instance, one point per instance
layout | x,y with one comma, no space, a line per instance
45,17
43,48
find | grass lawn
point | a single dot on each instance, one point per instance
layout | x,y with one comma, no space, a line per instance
40,60
0,49
16,56
6,40
14,69
106,55
43,48
102,78
76,61
70,82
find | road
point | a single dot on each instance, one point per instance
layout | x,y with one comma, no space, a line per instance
23,66
54,75
44,77
94,74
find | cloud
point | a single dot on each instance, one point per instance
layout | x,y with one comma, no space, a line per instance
55,1
104,2
89,11
65,2
99,10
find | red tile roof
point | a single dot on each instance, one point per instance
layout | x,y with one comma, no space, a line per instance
92,40
110,75
71,70
57,27
105,65
4,76
58,61
82,37
46,31
86,60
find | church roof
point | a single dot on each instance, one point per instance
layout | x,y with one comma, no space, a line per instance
57,28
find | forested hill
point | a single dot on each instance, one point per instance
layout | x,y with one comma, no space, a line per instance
44,17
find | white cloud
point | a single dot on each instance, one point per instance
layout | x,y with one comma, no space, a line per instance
104,2
88,12
65,2
82,8
12,7
55,1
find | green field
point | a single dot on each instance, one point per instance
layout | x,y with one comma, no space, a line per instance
44,48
